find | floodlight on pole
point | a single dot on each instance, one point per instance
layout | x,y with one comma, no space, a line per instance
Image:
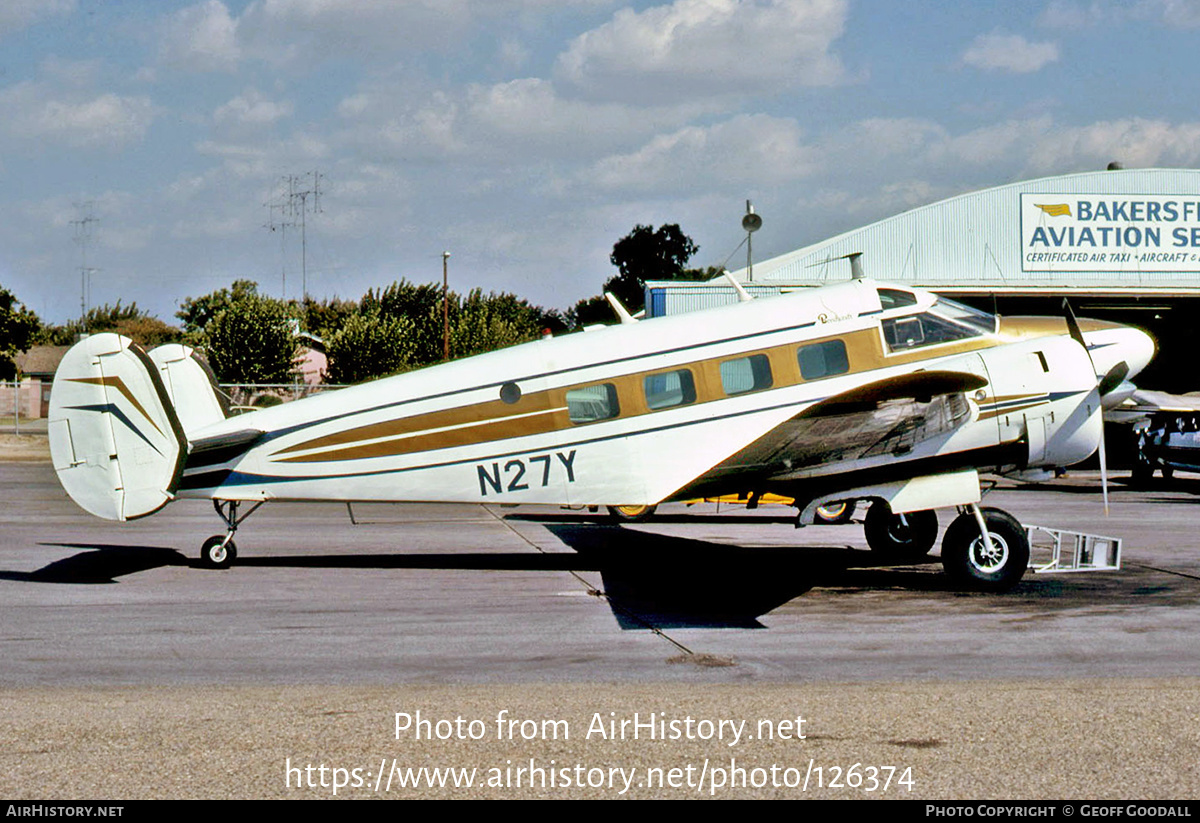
751,223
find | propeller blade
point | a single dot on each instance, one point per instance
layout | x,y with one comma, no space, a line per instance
1104,385
1115,377
1103,466
1073,326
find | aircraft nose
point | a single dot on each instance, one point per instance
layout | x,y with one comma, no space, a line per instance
1108,347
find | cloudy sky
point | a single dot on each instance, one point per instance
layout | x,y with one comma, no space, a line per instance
148,140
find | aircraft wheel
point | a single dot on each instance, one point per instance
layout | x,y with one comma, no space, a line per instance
217,556
900,537
630,514
1168,472
836,513
967,560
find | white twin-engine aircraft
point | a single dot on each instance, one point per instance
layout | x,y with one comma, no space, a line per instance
855,391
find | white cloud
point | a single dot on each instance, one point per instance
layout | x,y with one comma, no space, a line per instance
201,38
16,15
1071,14
531,109
1184,14
746,151
32,111
1009,52
710,48
252,108
521,123
1135,142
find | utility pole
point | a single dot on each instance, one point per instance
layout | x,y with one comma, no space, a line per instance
299,195
445,308
82,231
281,227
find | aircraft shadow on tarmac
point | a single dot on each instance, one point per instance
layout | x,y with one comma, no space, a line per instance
649,580
662,581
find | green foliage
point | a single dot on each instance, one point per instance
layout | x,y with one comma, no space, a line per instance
477,323
197,312
643,254
138,325
647,254
250,340
420,304
19,328
324,318
368,346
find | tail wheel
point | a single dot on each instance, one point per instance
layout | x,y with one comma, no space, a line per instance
631,514
216,553
907,536
836,513
969,561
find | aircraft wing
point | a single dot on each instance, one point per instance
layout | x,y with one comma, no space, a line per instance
1143,403
885,419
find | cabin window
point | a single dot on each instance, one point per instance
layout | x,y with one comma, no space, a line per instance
746,374
592,403
667,389
824,359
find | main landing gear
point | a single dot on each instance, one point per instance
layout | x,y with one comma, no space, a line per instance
219,551
984,549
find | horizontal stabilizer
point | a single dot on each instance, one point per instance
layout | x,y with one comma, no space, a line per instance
115,440
221,448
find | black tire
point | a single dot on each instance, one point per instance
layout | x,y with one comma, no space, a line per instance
214,555
965,557
1168,472
900,537
835,513
630,514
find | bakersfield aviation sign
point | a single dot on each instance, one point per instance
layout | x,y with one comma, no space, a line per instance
1097,232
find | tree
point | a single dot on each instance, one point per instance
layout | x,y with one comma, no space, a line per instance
325,317
647,254
251,341
643,254
129,321
367,346
197,312
19,328
478,322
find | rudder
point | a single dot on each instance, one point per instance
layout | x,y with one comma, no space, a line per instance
115,440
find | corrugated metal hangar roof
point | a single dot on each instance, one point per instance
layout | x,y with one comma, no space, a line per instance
1129,232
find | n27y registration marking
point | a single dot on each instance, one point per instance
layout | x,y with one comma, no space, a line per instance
514,472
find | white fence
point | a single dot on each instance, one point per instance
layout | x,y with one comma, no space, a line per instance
23,404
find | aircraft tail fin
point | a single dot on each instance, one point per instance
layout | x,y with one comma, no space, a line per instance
191,387
116,441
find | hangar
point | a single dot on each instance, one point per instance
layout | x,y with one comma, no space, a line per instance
1123,245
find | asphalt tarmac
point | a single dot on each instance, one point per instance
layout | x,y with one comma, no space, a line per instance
153,677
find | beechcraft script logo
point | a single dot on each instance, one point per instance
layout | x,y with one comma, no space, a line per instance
1055,209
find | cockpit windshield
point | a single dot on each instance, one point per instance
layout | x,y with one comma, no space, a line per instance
985,322
946,321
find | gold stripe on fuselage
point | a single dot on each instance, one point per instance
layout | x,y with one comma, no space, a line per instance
545,412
